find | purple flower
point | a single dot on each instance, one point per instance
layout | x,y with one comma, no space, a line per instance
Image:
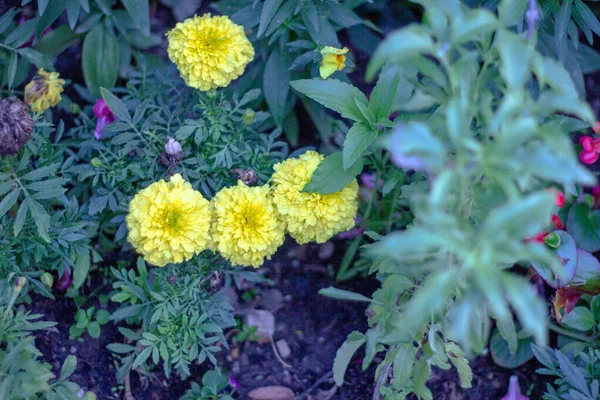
368,180
64,282
354,232
233,383
104,117
514,391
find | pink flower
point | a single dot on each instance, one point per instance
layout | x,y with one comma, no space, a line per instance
591,148
104,116
368,180
233,383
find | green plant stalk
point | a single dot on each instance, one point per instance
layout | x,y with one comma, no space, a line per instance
571,334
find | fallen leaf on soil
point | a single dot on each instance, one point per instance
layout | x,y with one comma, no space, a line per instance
263,320
271,393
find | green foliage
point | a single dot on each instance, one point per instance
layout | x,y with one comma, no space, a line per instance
90,320
482,119
214,385
23,373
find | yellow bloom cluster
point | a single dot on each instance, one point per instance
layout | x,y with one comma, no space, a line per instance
311,216
169,222
210,52
44,90
246,228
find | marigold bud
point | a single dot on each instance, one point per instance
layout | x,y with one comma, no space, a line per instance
248,117
172,147
15,125
96,162
47,279
552,240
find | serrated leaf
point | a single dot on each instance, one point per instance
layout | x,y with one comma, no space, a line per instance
461,364
116,105
68,367
41,218
21,34
333,94
21,216
330,176
8,201
403,364
384,93
12,69
358,139
344,355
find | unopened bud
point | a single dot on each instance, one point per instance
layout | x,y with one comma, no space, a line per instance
556,221
172,147
20,284
47,279
552,240
96,162
248,117
249,177
15,125
75,108
211,94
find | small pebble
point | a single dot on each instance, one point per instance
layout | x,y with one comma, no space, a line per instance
283,348
326,250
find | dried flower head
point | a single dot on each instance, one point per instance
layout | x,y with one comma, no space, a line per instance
15,125
44,90
210,52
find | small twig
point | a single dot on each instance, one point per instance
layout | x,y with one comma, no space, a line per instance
128,395
283,363
314,385
383,375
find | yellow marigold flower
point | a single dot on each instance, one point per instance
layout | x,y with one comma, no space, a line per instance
44,90
210,52
169,222
311,216
246,227
333,60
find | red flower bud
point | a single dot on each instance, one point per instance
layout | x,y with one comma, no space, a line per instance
559,199
539,238
556,221
596,128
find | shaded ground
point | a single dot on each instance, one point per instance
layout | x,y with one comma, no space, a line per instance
313,326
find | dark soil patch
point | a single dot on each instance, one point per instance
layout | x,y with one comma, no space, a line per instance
313,326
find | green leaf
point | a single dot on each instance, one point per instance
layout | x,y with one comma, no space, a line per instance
41,172
21,216
93,329
382,97
398,46
57,41
41,218
502,355
73,8
142,357
330,176
82,266
343,295
21,34
42,6
344,355
511,12
358,139
457,358
140,14
561,276
530,308
102,316
414,146
276,85
6,19
68,367
583,224
588,16
268,12
100,59
85,4
403,364
580,318
333,94
116,105
120,348
36,58
81,316
12,69
476,22
587,275
8,201
515,52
